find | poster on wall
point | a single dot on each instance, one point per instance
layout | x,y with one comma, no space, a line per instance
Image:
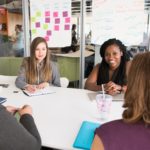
51,19
121,19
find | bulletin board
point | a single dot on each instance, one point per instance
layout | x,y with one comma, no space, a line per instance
121,19
51,19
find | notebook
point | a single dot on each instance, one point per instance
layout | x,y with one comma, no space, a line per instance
85,135
39,92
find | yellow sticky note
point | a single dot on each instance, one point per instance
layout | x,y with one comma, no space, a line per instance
33,19
38,14
45,26
33,31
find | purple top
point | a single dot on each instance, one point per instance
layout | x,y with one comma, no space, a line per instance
117,135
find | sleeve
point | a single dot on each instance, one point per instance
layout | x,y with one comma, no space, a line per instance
21,79
28,122
55,75
103,135
18,136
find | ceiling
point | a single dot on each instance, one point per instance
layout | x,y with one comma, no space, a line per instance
16,6
147,6
75,7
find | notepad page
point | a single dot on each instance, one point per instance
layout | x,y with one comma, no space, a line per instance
39,92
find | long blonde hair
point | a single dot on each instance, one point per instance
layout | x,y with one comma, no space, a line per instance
31,74
137,96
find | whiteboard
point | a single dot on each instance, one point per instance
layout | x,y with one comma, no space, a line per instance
121,19
51,19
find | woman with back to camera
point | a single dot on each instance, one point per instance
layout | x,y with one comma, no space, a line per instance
112,71
37,71
22,135
133,131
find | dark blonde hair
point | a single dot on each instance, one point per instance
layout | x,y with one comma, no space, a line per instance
31,74
137,96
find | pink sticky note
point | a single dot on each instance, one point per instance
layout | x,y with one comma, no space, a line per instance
67,20
49,32
65,14
57,20
55,14
67,27
47,20
37,24
56,28
47,13
46,38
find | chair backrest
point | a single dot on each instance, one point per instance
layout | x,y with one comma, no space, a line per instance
64,82
84,82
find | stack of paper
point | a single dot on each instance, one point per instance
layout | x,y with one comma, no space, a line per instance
39,92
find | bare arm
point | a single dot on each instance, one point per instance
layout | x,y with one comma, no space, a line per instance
113,88
91,82
97,144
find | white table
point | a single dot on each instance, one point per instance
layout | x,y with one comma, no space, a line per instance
59,116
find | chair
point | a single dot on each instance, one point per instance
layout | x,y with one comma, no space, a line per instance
84,82
64,82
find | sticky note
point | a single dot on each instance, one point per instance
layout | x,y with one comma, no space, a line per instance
65,14
57,20
56,28
67,20
47,13
33,19
55,14
33,31
67,27
37,24
49,32
45,26
46,38
47,20
38,14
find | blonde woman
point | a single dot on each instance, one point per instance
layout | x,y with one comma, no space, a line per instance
37,71
133,131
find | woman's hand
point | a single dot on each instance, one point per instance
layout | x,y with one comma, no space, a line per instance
12,109
112,88
26,109
42,85
30,88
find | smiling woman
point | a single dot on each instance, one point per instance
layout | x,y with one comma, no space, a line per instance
112,71
37,71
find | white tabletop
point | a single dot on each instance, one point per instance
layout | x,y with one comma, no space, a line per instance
59,116
75,54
